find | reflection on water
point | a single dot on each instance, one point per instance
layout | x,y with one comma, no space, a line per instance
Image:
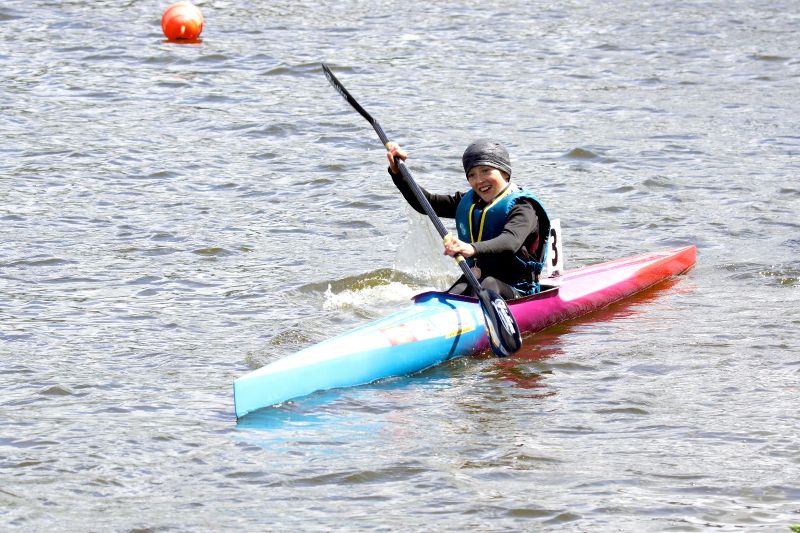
529,368
317,409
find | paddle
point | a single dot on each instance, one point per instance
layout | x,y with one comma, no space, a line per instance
503,331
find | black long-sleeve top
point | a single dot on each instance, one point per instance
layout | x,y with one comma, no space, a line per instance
495,257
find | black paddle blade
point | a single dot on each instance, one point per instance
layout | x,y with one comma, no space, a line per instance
345,93
353,103
504,335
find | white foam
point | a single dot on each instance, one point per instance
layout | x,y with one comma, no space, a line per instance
393,292
420,253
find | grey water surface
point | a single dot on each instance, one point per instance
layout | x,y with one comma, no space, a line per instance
176,215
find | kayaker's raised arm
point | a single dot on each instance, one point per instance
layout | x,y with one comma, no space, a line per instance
444,205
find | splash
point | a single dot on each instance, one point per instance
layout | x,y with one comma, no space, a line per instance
419,266
420,253
389,293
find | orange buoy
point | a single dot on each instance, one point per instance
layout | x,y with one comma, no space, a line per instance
182,21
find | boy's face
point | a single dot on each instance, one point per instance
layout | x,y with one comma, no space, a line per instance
487,182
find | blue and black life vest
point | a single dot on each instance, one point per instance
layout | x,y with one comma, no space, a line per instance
476,224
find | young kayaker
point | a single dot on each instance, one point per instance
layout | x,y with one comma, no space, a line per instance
502,228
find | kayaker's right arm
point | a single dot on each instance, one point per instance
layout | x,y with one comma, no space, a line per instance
443,204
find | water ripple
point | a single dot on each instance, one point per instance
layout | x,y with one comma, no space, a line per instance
175,215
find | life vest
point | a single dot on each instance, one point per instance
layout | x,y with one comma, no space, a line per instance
475,225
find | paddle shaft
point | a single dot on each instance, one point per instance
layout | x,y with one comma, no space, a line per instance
504,334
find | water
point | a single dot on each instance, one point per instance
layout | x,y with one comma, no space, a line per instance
174,216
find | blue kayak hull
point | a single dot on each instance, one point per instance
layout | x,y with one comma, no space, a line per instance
436,328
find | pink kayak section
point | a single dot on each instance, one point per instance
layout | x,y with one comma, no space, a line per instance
583,290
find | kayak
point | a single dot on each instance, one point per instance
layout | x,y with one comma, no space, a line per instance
440,326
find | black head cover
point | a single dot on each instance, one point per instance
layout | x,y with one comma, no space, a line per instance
486,152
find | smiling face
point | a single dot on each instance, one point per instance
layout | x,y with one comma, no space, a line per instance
486,181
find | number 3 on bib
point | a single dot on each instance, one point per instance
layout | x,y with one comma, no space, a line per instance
554,264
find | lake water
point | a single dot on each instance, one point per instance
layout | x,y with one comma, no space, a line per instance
174,216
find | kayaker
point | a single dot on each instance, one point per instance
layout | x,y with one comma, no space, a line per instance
500,225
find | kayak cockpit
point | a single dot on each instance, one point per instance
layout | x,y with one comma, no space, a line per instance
439,295
547,291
